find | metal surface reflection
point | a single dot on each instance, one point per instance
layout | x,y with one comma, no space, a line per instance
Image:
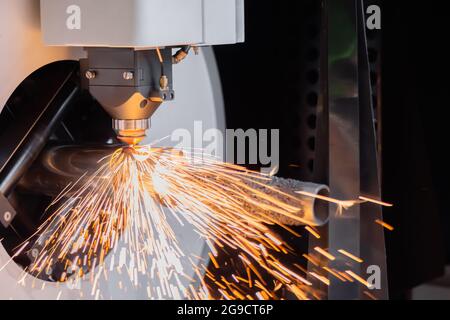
59,166
352,167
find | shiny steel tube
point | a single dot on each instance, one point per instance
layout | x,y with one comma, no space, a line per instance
37,137
59,166
312,211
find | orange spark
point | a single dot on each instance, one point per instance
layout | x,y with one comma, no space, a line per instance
351,256
384,225
320,278
358,278
381,203
325,253
313,232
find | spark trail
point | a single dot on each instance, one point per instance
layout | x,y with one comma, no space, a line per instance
129,200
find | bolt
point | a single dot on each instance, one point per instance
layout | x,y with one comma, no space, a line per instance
7,216
196,50
164,82
90,74
35,253
128,75
144,103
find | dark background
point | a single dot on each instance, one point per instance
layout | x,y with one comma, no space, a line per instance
272,81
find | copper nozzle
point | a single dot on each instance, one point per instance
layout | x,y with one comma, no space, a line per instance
131,137
131,132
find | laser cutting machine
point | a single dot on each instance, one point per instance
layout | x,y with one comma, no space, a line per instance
93,72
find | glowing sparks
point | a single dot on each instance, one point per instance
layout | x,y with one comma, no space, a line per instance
325,253
345,204
335,274
320,278
371,296
381,203
351,256
358,278
384,225
341,203
313,232
122,212
311,259
125,211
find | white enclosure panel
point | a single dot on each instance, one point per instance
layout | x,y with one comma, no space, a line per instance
222,23
119,23
141,23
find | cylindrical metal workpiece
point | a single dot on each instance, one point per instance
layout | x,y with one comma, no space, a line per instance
62,165
311,211
37,137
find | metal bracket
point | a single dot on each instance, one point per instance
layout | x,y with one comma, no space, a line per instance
349,156
128,83
7,212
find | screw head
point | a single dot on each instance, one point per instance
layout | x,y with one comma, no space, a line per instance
144,103
128,75
7,216
90,74
164,83
35,253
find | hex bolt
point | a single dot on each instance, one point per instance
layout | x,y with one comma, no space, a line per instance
164,82
35,253
7,216
128,75
196,50
91,74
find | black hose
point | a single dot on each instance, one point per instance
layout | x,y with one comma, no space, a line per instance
181,54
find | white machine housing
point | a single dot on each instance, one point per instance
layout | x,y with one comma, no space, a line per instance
142,23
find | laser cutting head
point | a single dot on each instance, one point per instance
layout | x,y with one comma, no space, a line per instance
130,85
129,48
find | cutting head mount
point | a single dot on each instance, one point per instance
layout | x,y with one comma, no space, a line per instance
130,85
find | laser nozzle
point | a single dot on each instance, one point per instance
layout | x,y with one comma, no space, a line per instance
131,132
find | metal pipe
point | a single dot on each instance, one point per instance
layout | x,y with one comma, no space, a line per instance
61,165
312,211
37,137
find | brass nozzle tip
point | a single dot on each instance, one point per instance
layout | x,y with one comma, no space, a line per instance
130,141
131,132
131,137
